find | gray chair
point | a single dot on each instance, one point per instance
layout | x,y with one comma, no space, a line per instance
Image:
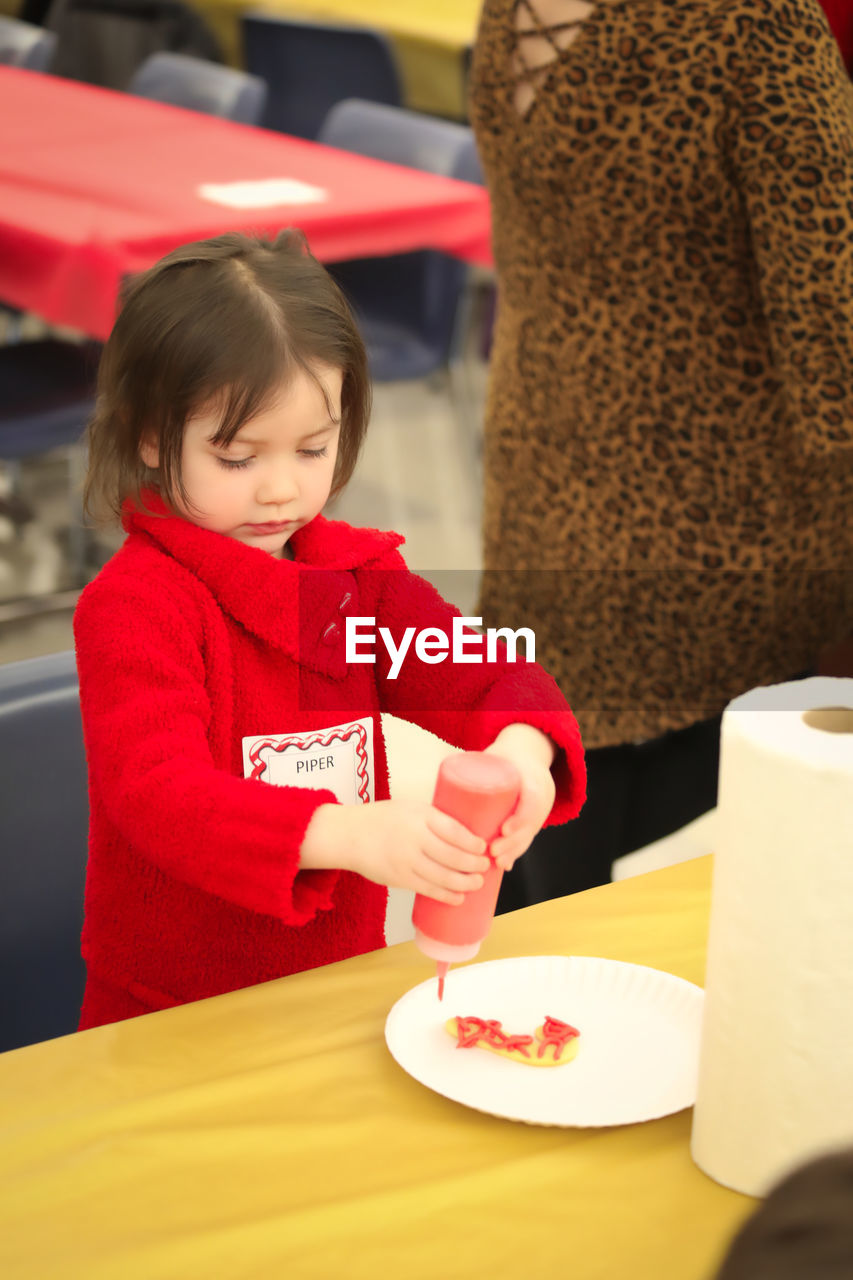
200,86
23,45
309,66
43,849
413,308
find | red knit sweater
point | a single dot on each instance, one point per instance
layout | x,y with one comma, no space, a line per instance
187,641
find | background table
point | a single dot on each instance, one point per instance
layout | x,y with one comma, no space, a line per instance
429,38
95,184
269,1133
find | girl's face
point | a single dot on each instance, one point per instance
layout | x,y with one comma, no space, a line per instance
275,475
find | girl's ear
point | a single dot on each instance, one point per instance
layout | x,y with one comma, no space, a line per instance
149,452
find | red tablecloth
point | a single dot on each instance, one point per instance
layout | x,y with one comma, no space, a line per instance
95,184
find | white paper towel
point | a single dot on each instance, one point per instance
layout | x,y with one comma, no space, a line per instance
776,1064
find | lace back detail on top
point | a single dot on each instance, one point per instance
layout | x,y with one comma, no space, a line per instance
543,30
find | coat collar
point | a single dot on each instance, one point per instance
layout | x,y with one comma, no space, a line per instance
266,595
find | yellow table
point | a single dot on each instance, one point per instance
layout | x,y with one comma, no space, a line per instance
269,1134
429,38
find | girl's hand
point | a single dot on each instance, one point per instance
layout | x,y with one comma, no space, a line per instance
532,752
402,844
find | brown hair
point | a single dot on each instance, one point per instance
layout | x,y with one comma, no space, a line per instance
223,320
804,1229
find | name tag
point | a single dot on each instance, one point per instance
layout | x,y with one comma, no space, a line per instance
337,759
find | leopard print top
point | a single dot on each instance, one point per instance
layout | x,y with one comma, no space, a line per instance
669,431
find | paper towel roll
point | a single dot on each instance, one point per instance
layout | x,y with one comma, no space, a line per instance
776,1064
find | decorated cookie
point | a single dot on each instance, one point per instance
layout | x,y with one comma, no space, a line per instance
553,1044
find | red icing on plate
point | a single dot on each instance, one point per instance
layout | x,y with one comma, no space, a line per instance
487,1033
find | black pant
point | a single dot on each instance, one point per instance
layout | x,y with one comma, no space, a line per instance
635,794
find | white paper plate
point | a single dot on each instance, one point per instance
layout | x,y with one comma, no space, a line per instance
639,1048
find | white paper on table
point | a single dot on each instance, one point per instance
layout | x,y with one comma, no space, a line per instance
777,1039
262,193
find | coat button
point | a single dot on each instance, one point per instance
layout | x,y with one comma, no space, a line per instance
330,633
344,602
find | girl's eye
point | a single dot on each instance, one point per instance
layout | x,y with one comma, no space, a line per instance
316,453
233,464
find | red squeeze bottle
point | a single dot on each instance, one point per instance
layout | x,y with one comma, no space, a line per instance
480,791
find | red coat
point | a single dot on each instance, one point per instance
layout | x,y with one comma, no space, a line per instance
187,641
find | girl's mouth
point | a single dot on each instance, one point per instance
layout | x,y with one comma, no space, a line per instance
278,527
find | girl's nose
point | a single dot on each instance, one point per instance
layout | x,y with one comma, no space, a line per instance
278,484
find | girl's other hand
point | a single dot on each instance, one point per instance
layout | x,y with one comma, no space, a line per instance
532,752
401,844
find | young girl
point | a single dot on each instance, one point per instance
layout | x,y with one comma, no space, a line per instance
232,402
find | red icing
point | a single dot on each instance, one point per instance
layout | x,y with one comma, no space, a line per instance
471,1031
480,791
557,1033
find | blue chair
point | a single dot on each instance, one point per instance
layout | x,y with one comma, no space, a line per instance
412,308
311,66
47,395
43,847
23,45
200,86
